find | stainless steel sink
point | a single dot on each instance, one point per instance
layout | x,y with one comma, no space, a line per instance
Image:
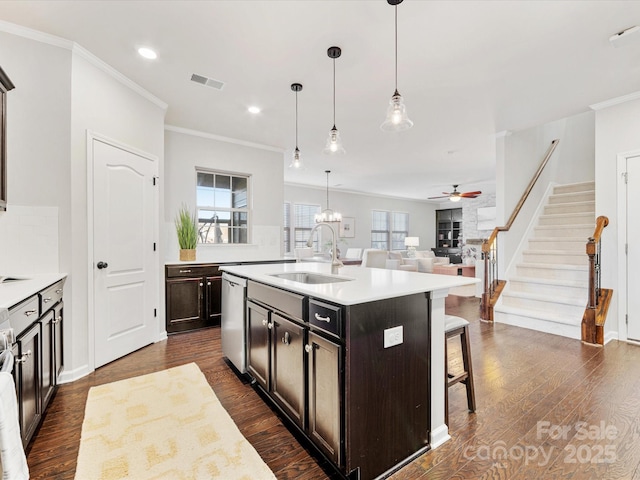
309,278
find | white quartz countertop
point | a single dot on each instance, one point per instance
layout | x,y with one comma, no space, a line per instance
206,262
366,284
14,292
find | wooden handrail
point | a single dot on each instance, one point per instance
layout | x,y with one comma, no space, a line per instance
601,222
525,195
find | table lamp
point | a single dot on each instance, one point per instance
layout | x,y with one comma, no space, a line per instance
411,243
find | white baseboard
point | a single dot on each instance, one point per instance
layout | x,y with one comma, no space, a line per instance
439,435
68,376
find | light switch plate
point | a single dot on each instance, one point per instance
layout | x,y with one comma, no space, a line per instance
393,336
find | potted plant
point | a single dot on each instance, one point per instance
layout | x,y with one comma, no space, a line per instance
187,231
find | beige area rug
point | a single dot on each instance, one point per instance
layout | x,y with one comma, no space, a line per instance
167,425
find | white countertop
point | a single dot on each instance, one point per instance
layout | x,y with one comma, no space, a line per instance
12,293
222,262
367,284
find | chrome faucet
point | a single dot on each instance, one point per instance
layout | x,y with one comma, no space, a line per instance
335,261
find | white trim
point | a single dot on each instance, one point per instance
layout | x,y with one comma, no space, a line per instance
615,101
76,49
220,138
503,133
439,436
158,332
610,336
68,376
366,194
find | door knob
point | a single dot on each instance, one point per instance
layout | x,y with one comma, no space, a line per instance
102,265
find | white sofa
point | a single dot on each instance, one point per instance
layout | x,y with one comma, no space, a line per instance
398,260
425,260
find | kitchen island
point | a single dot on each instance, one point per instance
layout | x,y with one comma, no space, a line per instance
354,360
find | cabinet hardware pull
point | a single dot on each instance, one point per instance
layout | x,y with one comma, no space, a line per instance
286,339
184,271
25,356
59,290
264,322
270,325
46,300
307,348
201,284
28,313
208,283
322,319
57,320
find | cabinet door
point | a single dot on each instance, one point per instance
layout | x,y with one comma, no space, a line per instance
185,304
287,366
258,344
325,413
48,370
214,300
28,364
58,350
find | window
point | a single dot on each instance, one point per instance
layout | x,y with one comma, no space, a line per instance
389,229
303,221
223,207
286,234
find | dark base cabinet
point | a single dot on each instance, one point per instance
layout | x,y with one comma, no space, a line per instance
38,351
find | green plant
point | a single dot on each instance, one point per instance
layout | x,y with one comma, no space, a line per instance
186,228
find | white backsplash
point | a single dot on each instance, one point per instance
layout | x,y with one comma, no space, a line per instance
29,240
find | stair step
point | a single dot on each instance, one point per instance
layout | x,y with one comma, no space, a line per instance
563,257
576,207
552,282
545,303
553,271
553,231
574,187
572,197
585,218
547,322
571,244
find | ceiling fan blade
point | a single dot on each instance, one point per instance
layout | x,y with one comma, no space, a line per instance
444,196
470,194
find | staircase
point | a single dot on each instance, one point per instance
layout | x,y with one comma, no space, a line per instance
548,290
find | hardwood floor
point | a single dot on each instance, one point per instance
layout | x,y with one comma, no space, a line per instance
532,392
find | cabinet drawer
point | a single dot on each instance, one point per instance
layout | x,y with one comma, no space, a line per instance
326,317
50,296
174,271
289,303
24,314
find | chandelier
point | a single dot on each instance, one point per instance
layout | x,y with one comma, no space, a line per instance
328,215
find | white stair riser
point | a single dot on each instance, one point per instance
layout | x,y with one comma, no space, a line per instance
551,273
574,187
572,197
588,218
559,231
572,246
549,289
567,259
570,331
570,208
543,306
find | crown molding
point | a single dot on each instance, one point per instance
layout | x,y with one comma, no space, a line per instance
220,138
615,101
82,52
357,192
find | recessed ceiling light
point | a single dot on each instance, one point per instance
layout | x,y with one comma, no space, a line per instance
254,109
147,53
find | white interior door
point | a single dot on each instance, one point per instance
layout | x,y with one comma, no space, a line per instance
125,216
633,252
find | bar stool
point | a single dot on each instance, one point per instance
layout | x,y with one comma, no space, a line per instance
453,327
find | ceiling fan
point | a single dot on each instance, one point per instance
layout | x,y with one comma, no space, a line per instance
455,196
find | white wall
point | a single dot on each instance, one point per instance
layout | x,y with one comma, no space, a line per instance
187,150
421,214
616,133
519,156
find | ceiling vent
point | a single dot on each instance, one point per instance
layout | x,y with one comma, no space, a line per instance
208,82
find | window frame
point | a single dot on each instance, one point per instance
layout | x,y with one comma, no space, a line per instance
389,232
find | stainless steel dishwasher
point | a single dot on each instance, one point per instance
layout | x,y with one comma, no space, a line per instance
233,323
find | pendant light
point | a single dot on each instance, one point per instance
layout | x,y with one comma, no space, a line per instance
328,215
334,143
397,119
296,160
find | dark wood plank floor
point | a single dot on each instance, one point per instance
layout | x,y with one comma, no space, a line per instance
547,407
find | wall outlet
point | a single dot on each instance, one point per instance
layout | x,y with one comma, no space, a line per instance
392,336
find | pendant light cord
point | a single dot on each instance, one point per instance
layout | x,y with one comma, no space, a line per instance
328,188
396,26
334,104
296,120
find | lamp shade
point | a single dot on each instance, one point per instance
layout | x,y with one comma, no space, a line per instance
411,241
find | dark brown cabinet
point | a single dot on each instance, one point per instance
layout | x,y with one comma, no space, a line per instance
258,343
193,294
38,352
449,234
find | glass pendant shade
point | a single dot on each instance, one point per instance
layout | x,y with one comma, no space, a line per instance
334,143
296,159
397,119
